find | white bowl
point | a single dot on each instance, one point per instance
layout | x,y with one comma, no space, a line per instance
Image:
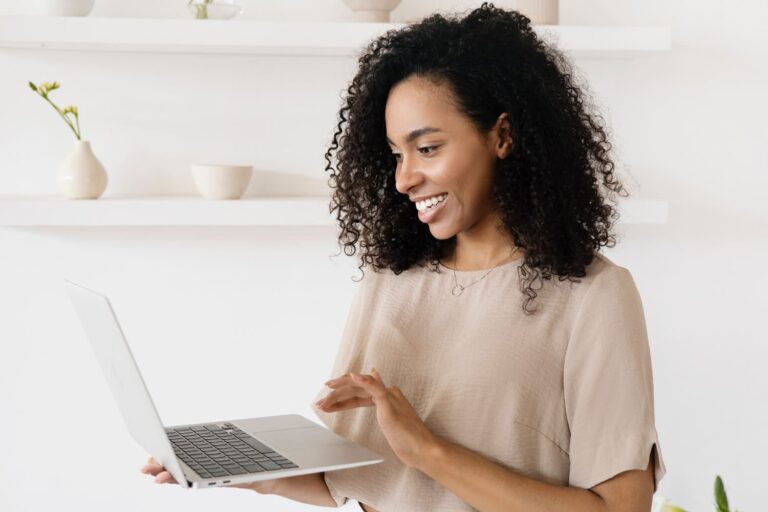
215,181
65,7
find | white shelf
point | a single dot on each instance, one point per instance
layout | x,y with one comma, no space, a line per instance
50,211
248,36
163,211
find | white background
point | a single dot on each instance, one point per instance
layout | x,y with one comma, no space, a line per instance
239,322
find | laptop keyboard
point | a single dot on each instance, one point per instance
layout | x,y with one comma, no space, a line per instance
215,450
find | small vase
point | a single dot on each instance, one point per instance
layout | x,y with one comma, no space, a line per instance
375,11
81,175
540,12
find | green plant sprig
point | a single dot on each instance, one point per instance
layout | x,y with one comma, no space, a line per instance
721,498
43,89
201,10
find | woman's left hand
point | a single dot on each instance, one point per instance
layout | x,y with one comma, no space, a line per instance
406,434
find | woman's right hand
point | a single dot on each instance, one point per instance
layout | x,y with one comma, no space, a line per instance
162,476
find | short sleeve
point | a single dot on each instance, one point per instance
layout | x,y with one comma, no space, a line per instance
608,384
337,497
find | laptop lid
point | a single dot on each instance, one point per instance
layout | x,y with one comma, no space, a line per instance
114,355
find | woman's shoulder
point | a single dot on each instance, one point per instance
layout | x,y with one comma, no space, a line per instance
601,264
602,269
602,276
596,270
606,283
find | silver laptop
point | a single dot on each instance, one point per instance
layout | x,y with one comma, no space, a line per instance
214,453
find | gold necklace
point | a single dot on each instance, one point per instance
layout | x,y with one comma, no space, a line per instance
461,288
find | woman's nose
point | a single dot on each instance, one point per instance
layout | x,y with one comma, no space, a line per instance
406,177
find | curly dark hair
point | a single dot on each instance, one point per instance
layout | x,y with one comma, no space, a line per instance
546,191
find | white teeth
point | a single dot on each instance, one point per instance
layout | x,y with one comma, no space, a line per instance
424,205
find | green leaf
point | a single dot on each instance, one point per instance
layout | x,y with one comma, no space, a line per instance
721,497
31,85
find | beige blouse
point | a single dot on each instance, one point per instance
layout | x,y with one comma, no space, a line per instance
564,396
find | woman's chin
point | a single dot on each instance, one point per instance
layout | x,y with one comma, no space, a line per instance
440,232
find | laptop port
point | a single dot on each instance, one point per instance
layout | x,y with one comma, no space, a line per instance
211,483
226,481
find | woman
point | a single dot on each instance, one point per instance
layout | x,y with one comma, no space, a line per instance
469,173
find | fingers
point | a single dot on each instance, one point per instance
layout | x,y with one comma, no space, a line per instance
152,469
158,471
165,478
349,404
347,378
352,385
342,394
376,388
338,381
376,376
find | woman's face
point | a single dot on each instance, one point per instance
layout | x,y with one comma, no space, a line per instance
440,153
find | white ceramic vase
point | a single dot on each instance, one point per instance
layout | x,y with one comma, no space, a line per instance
65,7
541,12
221,181
376,11
81,175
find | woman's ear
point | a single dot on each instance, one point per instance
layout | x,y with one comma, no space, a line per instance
505,144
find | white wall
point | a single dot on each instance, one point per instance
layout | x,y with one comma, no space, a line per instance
236,322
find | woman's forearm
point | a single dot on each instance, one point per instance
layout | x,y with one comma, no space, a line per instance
488,486
310,489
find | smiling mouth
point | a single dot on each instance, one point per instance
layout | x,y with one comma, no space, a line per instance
420,204
430,212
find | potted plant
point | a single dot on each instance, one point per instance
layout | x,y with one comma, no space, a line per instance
81,175
214,9
721,500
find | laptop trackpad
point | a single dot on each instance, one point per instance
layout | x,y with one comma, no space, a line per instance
297,438
310,446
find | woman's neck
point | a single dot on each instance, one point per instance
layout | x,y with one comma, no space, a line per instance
480,263
485,245
473,253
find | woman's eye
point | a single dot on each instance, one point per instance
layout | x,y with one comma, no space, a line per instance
398,155
427,147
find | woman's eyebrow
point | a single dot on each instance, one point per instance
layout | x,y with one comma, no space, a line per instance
418,133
